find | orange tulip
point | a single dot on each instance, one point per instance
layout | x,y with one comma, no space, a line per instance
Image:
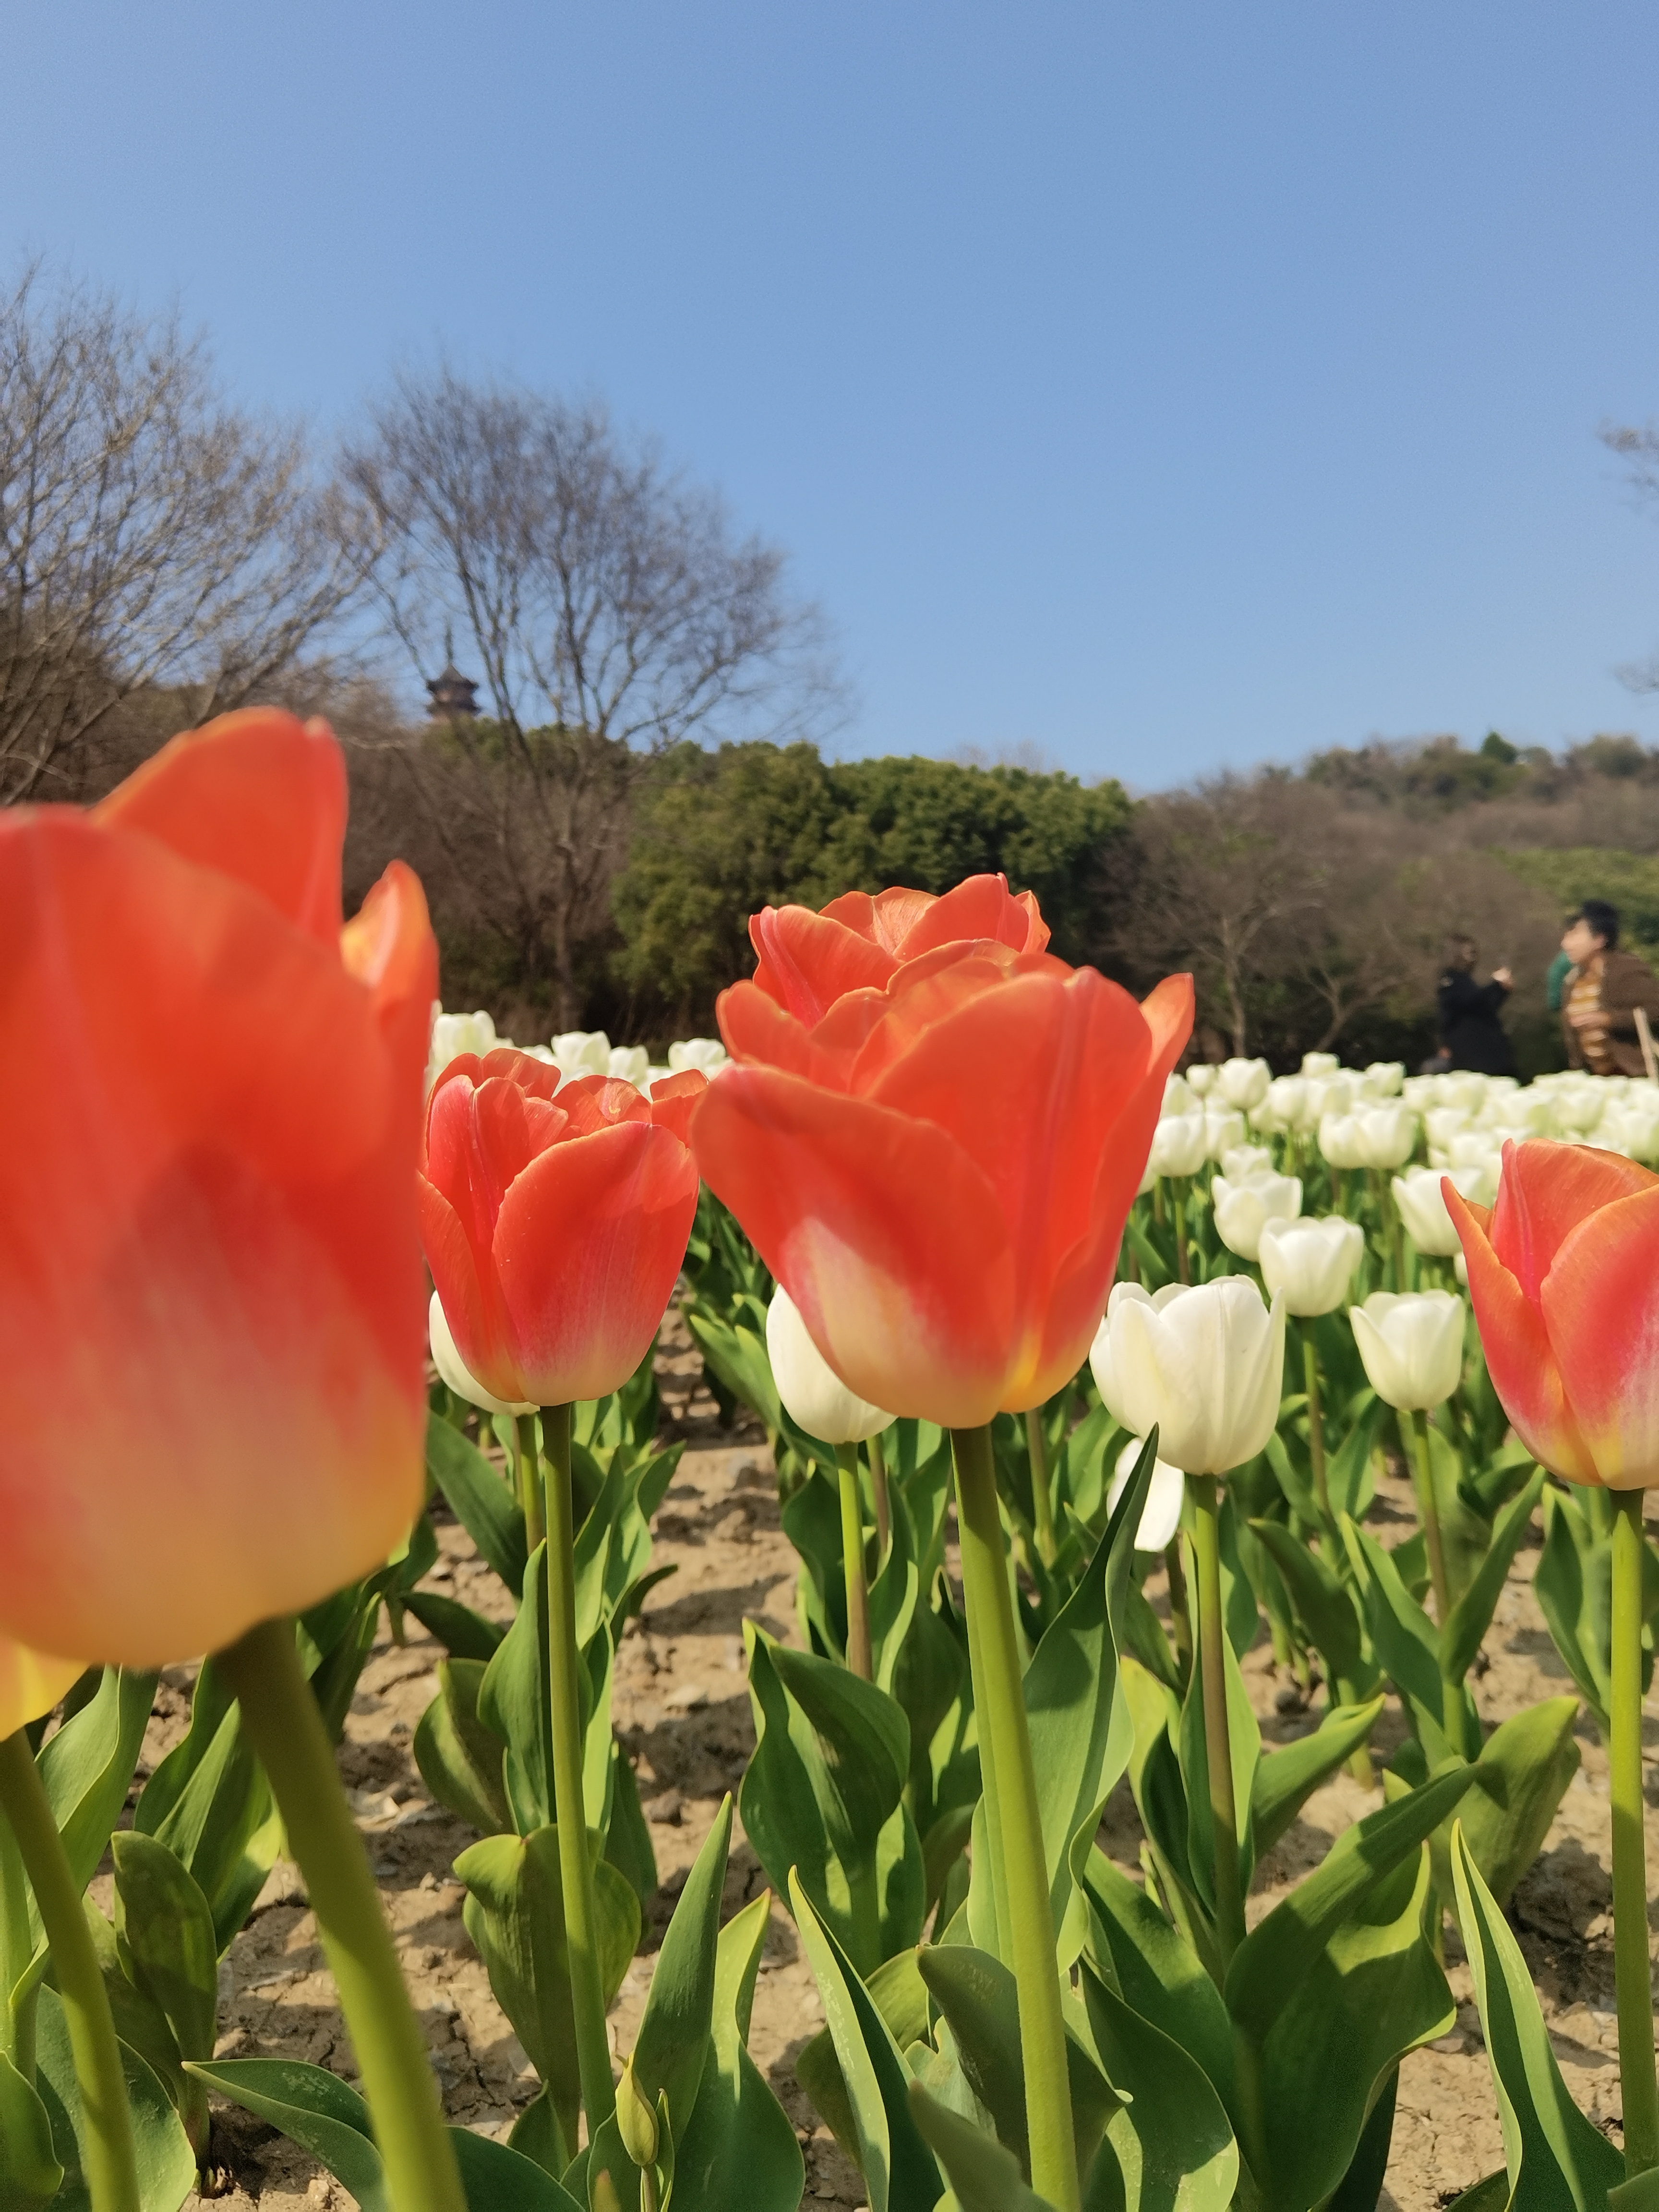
1564,1272
210,1363
556,1217
939,1168
806,960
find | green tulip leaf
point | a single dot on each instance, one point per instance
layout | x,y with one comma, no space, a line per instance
1520,1780
498,2178
31,2173
1361,2186
1244,1742
811,1521
1287,1778
672,2045
1323,1603
627,1842
537,2133
899,2170
462,1633
209,1801
984,2176
165,1939
1471,1617
88,1766
481,1501
1133,1948
460,1759
165,2163
1169,2133
1552,2155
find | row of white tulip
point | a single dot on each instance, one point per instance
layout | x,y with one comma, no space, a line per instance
573,1052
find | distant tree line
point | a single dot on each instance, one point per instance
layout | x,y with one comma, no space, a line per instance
649,764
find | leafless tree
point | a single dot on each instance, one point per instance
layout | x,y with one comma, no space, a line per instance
613,612
150,535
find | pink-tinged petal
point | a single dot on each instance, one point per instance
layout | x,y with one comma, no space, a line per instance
1546,1191
807,962
1520,1357
1601,1302
588,1246
258,795
885,1234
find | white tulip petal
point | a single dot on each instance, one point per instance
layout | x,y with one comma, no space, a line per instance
452,1369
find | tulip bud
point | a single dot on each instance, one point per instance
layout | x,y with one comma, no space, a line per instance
452,1369
1412,1346
637,2123
1200,1078
1179,1145
1310,1264
1204,1366
1320,1063
1160,1516
813,1395
1385,1077
1420,1205
1243,1082
1242,1209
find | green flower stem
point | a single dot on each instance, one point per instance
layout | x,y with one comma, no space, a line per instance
530,1496
1211,1637
111,2164
1158,1200
987,1763
16,1948
851,1560
1180,1613
1316,1418
581,1919
282,1719
1633,1974
879,1486
1179,1209
1043,1504
1423,1478
999,1704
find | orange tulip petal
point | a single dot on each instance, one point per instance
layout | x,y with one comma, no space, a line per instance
1601,1302
31,1683
258,795
885,1234
887,919
1546,1191
807,962
1519,1355
470,1296
588,1246
211,1367
673,1098
979,907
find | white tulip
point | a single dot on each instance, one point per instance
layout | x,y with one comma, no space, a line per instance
1204,1366
1320,1063
582,1052
1371,1137
1243,1161
1285,1106
1385,1077
1223,1127
1441,1124
454,1033
1160,1516
1179,1097
630,1063
1200,1078
452,1369
1579,1110
707,1054
1412,1344
1331,1094
1244,1209
813,1395
1244,1082
1310,1264
1179,1145
1466,1089
1421,1205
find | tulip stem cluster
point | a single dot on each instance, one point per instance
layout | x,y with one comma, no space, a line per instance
1213,1663
530,1496
110,2160
1633,1973
1043,1508
1012,1813
852,1553
280,1714
581,1919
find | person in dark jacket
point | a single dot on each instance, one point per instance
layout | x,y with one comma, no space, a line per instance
1604,989
1471,1035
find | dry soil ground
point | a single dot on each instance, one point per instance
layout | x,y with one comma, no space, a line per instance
683,1709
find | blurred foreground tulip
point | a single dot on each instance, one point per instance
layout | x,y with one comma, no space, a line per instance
31,1683
1203,1366
938,1170
211,1408
555,1215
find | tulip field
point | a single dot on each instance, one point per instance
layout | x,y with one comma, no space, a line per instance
918,1606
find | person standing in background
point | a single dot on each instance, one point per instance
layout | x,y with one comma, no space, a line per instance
1605,987
1471,1034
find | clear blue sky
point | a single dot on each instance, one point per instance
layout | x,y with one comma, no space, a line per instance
1163,386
